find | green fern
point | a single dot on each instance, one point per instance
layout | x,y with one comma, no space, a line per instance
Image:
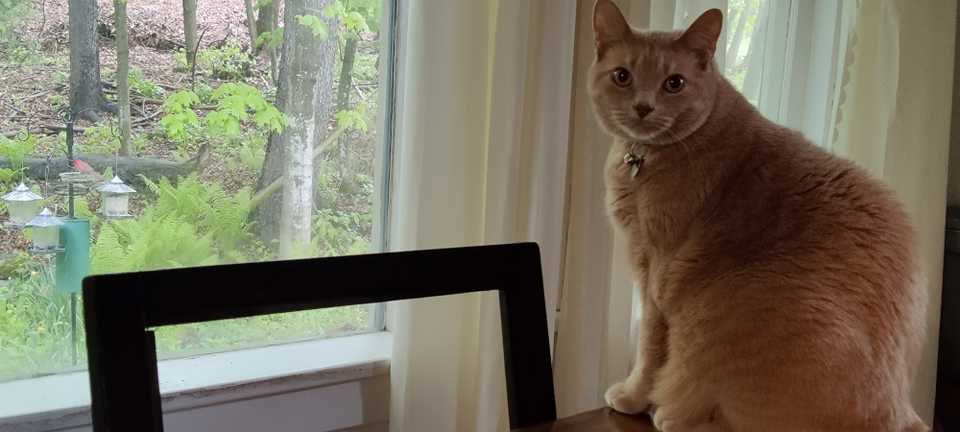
206,206
149,243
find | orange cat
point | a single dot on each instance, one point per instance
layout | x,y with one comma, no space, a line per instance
778,280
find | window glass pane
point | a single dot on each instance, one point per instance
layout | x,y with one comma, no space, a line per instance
743,18
255,147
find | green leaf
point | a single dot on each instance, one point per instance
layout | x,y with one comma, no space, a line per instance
271,39
352,119
334,10
315,24
355,22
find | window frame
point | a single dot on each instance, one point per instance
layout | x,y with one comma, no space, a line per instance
389,82
348,363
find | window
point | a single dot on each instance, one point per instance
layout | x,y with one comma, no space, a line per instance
249,149
783,55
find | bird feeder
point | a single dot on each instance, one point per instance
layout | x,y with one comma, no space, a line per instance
22,204
116,199
45,229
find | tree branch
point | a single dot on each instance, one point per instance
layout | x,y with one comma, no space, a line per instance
277,183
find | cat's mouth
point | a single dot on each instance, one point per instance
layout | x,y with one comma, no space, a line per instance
650,131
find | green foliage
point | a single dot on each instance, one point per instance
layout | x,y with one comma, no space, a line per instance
229,62
204,92
189,224
237,103
7,175
100,139
315,24
190,339
353,119
227,128
60,78
17,149
149,242
58,101
340,233
13,265
179,119
180,61
205,206
352,20
105,139
252,152
11,12
357,16
143,86
34,322
271,39
27,53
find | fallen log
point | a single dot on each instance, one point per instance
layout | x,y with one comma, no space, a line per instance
128,168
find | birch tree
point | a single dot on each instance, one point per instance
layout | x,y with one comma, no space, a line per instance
305,94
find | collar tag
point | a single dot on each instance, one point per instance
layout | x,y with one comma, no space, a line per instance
634,162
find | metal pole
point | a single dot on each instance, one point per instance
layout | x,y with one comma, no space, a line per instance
73,327
70,212
70,161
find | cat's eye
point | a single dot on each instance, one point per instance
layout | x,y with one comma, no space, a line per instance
622,77
674,83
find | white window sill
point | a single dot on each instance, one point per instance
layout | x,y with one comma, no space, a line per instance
62,401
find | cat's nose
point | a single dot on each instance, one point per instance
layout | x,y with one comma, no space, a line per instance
643,109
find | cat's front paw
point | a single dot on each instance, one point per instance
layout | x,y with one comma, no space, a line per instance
622,399
661,423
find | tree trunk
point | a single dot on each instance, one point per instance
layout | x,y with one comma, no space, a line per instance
267,22
305,95
123,68
190,29
344,87
251,25
267,17
86,98
346,73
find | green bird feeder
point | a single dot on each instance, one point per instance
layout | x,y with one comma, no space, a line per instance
73,263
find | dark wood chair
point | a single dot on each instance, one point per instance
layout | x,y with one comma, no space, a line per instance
120,309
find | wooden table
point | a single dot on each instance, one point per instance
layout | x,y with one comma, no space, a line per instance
601,420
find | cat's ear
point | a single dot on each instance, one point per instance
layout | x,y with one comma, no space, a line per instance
608,24
702,35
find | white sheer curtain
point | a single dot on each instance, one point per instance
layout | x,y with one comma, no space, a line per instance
784,55
894,119
481,158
